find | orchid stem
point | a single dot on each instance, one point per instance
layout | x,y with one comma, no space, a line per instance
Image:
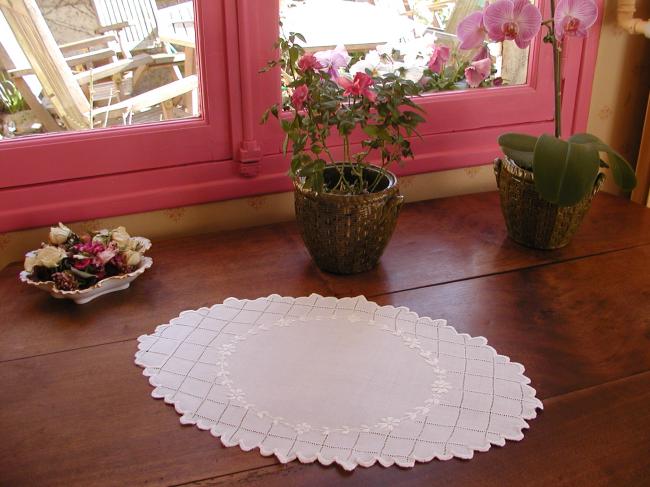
557,72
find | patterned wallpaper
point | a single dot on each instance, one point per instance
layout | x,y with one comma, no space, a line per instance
620,90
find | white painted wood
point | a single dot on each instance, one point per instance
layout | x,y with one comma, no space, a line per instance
140,15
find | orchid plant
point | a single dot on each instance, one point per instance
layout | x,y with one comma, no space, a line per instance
564,171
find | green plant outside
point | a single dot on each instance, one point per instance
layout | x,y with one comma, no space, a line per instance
11,101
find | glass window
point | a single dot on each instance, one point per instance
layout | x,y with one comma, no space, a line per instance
88,64
382,34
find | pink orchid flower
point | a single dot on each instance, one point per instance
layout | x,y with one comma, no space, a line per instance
477,71
299,97
439,58
471,31
308,62
333,59
517,20
574,17
359,86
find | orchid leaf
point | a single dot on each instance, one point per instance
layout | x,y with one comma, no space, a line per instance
565,172
622,172
519,148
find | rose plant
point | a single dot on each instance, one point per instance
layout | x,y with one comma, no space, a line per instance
333,92
325,99
564,171
79,262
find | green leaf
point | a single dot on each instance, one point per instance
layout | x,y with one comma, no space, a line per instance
80,273
285,144
622,172
371,130
519,148
414,116
564,172
295,165
265,116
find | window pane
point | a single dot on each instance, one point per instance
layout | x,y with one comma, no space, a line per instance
404,30
86,64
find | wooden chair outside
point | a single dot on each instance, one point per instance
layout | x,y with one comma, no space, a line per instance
461,10
134,21
64,88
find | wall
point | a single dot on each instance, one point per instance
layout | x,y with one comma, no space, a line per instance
621,86
620,94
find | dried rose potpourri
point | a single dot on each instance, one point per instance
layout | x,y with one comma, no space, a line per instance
79,262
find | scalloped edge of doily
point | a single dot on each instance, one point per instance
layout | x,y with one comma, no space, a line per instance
349,464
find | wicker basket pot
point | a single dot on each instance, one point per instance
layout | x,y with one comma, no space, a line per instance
346,234
531,220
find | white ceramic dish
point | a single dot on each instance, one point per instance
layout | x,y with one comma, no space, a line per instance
105,286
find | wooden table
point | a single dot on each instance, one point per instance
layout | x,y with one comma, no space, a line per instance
75,410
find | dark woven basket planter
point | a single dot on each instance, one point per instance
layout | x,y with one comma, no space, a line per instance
347,234
531,220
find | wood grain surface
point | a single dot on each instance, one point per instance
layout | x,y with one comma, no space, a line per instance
75,410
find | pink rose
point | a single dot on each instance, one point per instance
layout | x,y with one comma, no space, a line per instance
308,62
299,97
359,86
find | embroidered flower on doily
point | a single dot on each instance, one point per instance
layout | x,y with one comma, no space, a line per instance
440,386
412,342
236,395
302,428
423,410
387,423
227,349
427,354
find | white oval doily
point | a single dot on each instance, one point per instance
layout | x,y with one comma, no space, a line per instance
336,380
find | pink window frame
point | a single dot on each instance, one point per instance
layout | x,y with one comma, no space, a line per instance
227,154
